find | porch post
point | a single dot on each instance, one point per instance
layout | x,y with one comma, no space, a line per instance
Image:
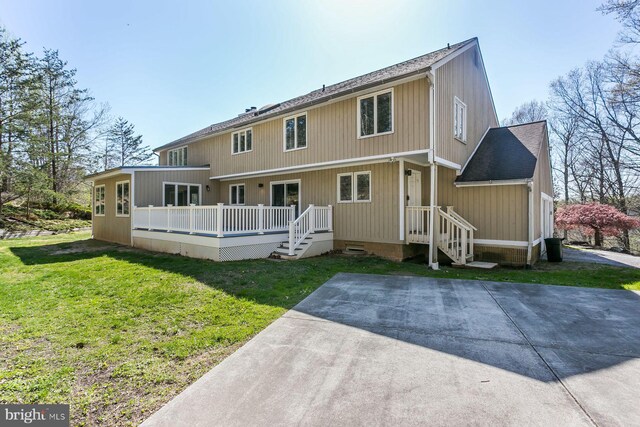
312,219
292,213
292,239
149,223
330,218
169,218
401,200
219,220
191,227
260,218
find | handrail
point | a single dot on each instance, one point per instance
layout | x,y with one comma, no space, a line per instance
456,237
457,216
300,229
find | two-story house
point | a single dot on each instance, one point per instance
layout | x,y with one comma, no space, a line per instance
405,160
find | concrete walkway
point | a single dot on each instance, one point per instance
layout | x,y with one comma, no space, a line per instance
387,350
600,257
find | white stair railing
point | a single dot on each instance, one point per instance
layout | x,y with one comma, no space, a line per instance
470,229
453,238
314,219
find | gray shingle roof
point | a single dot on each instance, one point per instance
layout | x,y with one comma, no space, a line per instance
394,72
506,153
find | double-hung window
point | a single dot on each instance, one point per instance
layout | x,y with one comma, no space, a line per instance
375,114
242,141
459,120
236,194
99,200
354,187
295,132
177,157
122,198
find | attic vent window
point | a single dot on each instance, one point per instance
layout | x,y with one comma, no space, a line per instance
459,120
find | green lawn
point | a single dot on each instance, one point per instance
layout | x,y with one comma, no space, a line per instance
117,332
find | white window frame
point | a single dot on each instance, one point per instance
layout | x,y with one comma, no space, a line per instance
295,132
123,215
354,187
459,107
237,186
176,154
375,114
244,131
188,184
287,181
102,202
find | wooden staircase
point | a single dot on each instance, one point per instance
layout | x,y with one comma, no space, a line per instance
454,234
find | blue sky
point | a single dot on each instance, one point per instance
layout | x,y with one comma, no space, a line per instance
174,67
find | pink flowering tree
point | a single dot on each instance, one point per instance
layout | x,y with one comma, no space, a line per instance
595,219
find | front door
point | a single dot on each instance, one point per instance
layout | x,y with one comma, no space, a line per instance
414,188
286,193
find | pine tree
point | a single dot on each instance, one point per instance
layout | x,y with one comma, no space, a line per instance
124,147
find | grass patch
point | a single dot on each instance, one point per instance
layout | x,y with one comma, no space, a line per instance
116,332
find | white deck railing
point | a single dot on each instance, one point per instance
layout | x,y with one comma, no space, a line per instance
219,220
315,218
228,220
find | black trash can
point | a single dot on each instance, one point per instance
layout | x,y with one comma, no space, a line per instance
554,249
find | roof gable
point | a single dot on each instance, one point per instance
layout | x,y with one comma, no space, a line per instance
506,153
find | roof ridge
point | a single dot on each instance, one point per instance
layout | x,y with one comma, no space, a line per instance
372,78
519,124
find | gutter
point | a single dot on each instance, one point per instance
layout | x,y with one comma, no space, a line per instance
524,181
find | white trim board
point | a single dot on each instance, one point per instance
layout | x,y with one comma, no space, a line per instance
129,171
489,183
504,243
322,165
446,163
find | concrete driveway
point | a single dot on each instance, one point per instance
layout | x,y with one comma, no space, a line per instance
388,350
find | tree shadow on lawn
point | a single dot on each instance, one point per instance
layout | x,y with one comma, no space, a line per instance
575,330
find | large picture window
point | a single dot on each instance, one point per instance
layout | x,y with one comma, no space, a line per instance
236,194
375,114
179,194
99,200
295,132
122,198
242,141
177,157
354,187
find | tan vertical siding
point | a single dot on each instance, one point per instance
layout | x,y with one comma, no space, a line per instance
499,212
149,188
463,77
541,184
110,227
331,135
375,221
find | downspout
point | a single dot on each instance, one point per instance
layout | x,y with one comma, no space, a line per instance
433,251
93,207
530,225
401,198
132,205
